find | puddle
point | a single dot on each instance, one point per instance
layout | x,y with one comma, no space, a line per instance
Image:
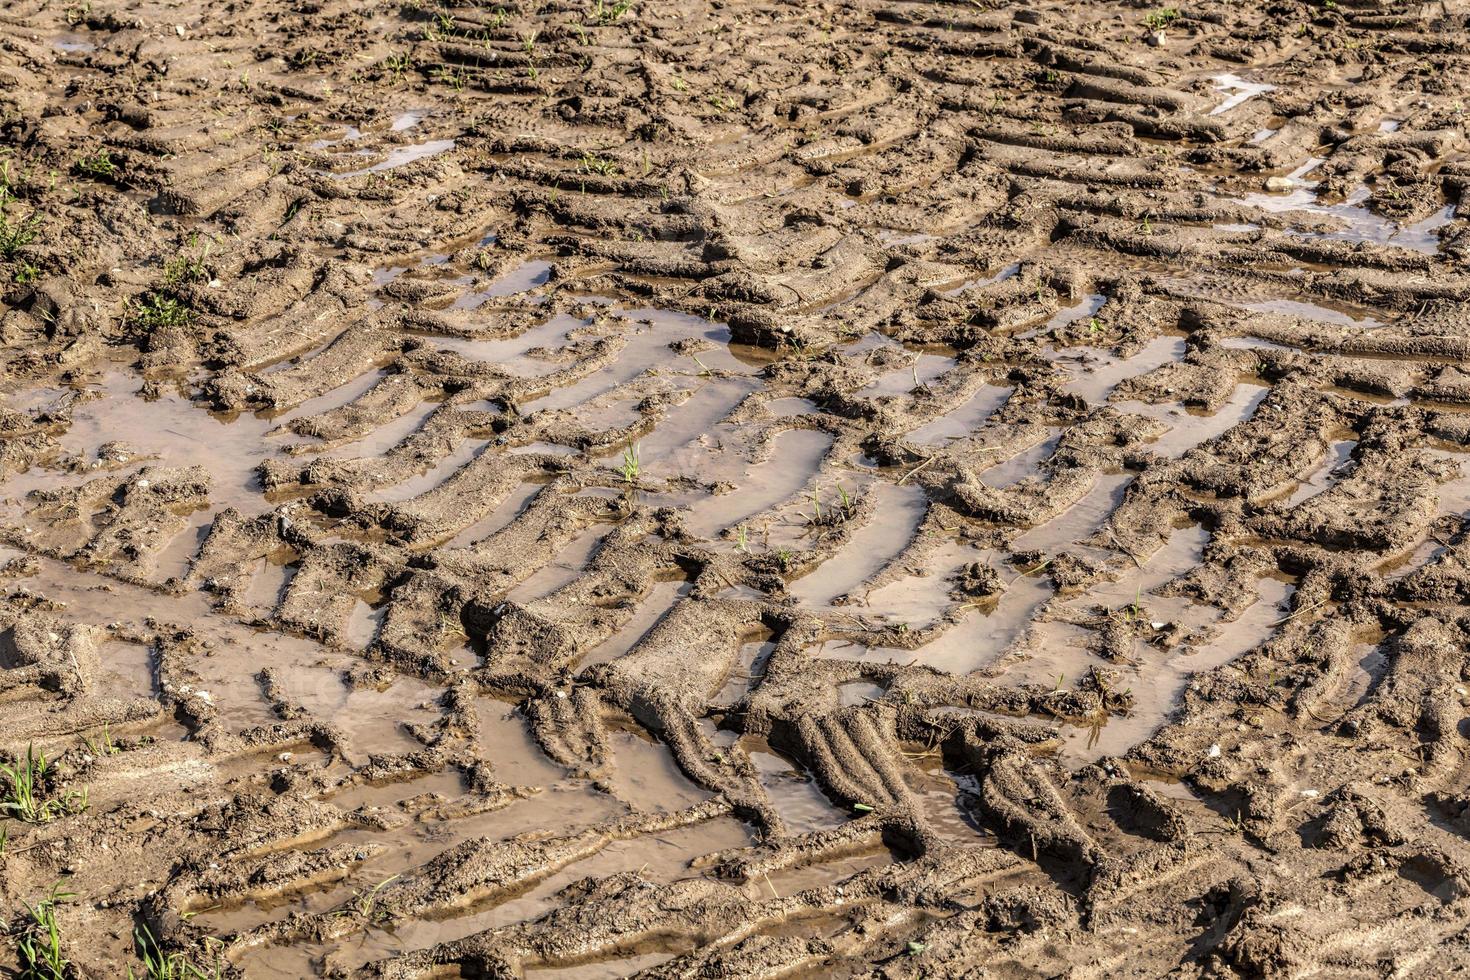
1005,273
858,692
349,133
963,421
650,609
647,348
783,408
1422,235
1370,666
173,432
511,352
1241,91
1099,372
399,156
1026,463
1158,681
1086,309
1362,224
543,449
922,599
802,805
1079,521
507,511
977,641
1194,427
446,466
939,796
407,120
794,460
526,276
127,670
902,380
1314,311
1338,455
645,776
753,656
899,510
73,43
563,569
378,440
677,445
363,624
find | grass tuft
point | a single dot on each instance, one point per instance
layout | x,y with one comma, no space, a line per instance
630,464
157,309
99,164
26,791
41,957
158,965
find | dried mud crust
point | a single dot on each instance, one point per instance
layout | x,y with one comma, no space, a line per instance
708,490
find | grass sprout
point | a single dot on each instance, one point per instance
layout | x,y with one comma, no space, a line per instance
25,794
158,965
41,956
630,466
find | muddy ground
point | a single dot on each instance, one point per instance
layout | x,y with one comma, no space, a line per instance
735,489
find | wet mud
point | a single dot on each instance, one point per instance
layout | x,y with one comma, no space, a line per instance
735,490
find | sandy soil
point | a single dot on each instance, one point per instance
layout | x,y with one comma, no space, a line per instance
734,489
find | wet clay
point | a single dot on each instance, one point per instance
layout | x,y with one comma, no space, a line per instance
690,490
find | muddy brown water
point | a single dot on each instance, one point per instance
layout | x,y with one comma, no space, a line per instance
537,492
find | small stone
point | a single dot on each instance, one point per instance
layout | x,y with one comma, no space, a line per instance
1279,184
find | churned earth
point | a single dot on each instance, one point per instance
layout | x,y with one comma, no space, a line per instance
732,488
